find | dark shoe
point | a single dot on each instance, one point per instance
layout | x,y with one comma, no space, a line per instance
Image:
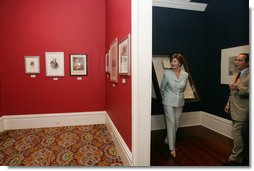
228,162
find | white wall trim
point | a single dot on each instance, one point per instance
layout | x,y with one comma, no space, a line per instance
187,119
141,45
190,119
121,146
215,123
157,122
194,6
69,119
52,120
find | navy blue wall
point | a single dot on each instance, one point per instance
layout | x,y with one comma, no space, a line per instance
182,31
200,36
227,25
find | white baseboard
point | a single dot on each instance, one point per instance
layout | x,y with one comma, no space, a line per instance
120,144
52,120
157,122
190,119
215,123
68,119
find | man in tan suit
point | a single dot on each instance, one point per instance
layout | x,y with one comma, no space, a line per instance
238,107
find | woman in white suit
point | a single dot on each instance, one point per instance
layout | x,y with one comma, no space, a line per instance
172,87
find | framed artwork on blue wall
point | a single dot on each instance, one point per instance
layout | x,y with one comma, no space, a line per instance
228,55
161,63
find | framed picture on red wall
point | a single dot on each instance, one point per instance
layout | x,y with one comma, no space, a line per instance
78,64
124,56
32,64
114,61
107,63
54,64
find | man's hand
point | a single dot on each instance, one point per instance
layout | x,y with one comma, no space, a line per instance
227,109
233,86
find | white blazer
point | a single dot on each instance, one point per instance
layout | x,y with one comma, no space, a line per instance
172,89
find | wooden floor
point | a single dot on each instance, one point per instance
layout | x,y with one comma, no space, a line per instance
196,146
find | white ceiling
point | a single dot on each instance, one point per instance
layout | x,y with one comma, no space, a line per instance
180,4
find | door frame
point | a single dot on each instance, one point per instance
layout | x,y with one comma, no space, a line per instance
141,19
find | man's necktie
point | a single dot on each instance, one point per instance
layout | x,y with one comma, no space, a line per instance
237,77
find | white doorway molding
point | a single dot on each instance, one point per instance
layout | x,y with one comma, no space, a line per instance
141,80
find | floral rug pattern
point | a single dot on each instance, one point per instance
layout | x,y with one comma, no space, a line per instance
89,145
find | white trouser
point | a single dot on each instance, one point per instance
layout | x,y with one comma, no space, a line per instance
172,119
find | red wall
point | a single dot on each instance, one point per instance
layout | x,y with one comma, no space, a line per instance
1,112
33,27
1,62
118,98
0,86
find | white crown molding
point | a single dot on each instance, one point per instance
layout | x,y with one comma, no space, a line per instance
180,0
185,5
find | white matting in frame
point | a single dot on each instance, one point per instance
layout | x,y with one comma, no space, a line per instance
107,63
124,56
228,55
32,64
114,61
54,64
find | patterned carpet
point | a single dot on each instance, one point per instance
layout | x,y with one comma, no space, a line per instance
89,145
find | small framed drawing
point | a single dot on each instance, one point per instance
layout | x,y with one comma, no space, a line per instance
114,61
107,62
228,55
124,56
32,64
78,64
54,64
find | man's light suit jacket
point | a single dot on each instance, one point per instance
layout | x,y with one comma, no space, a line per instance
238,101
